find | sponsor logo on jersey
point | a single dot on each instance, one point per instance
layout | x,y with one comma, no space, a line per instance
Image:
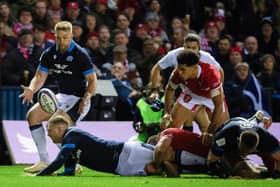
220,142
61,69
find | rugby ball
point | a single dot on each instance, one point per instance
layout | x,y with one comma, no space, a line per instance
47,100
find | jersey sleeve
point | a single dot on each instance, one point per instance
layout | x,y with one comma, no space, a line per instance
213,79
86,64
63,156
44,61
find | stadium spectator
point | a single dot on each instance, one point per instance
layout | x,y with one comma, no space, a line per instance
73,69
104,15
133,56
209,36
127,95
6,14
277,55
267,36
90,23
25,18
7,42
177,39
123,24
40,12
139,35
21,62
235,57
154,28
78,32
244,93
269,77
150,56
40,37
93,47
105,44
55,8
251,54
72,12
133,10
222,50
51,21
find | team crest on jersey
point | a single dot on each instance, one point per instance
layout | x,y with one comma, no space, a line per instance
187,98
69,58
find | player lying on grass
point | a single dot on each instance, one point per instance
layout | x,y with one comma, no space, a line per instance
238,138
193,158
78,146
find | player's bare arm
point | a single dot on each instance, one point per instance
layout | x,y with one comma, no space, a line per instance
155,74
90,90
216,121
169,96
162,150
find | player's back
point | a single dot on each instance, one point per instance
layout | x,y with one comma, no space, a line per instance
187,141
93,152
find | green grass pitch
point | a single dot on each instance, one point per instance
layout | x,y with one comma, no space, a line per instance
11,176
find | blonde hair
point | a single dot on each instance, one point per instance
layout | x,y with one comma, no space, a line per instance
58,120
63,26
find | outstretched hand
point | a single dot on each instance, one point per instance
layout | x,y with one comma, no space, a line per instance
27,95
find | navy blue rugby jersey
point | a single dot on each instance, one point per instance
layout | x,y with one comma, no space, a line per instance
79,146
226,138
69,68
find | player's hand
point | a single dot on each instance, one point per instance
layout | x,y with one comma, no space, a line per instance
27,95
166,119
85,100
267,122
207,138
82,106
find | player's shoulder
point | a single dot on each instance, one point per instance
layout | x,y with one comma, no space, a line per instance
205,54
80,49
176,51
50,50
47,53
208,58
209,68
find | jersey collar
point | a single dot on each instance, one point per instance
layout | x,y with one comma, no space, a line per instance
70,48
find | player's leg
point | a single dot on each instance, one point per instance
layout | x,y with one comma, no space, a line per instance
70,105
202,119
180,115
35,116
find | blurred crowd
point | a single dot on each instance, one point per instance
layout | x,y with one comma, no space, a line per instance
125,38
